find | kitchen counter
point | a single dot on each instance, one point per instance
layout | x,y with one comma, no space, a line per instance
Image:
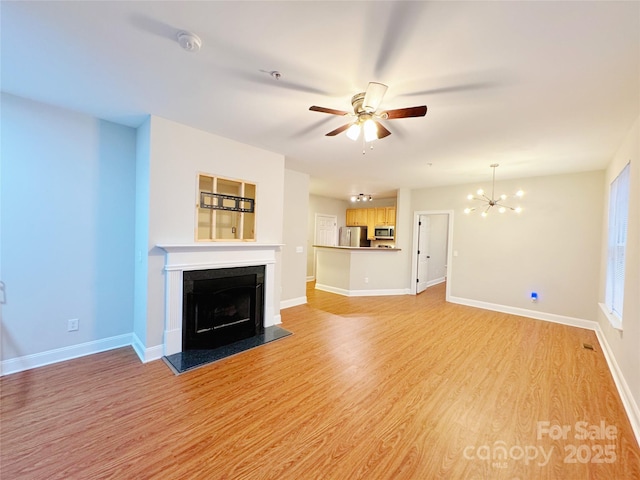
368,249
358,271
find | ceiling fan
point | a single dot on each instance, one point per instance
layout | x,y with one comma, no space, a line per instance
365,110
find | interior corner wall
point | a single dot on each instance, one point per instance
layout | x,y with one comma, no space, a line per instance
177,153
143,138
296,206
624,344
551,248
68,195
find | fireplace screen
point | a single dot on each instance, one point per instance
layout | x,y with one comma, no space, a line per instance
222,309
222,306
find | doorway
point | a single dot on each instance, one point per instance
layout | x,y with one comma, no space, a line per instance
431,257
326,233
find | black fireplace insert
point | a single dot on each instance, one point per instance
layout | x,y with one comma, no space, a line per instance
222,306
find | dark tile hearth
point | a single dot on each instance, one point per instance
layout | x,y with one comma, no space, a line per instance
184,361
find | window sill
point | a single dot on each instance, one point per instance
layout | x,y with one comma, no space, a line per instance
614,320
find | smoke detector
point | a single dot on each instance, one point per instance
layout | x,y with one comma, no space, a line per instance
189,41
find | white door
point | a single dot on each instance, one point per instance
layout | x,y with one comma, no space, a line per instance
423,252
326,230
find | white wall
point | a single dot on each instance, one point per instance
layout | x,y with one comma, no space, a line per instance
294,263
550,248
177,153
624,344
67,248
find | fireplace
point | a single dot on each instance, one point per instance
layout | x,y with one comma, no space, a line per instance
181,259
222,306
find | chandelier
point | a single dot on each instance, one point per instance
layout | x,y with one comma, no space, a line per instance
488,202
361,198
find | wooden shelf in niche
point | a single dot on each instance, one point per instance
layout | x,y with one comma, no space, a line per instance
225,209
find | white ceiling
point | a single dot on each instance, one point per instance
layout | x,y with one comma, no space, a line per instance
538,87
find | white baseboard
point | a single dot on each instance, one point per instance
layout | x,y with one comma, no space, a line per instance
630,405
362,293
311,278
27,362
436,281
146,354
628,401
293,302
524,312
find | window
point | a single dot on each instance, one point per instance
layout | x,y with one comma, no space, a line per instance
616,243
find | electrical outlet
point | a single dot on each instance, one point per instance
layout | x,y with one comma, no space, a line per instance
366,279
72,325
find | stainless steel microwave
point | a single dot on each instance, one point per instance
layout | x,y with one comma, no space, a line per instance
384,233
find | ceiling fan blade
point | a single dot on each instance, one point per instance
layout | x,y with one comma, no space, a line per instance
373,96
454,88
382,130
328,110
338,130
402,19
420,111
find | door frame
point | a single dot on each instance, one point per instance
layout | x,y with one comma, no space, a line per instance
315,236
414,249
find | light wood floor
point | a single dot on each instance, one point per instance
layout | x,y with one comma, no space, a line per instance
366,388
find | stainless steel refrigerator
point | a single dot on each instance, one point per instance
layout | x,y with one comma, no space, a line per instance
353,237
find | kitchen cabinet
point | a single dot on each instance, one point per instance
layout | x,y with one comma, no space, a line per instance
356,217
371,223
371,218
385,216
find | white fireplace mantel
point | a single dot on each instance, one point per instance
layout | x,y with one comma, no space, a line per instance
202,256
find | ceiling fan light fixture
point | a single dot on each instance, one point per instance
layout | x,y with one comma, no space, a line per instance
370,130
353,132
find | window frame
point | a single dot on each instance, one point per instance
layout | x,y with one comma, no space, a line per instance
617,234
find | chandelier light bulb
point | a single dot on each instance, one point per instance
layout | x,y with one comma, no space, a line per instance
353,198
493,201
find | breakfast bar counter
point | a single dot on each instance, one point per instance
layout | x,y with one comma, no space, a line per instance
356,271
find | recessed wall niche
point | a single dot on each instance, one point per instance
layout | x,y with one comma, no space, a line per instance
225,209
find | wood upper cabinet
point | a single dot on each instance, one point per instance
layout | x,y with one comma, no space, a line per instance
391,216
356,217
371,218
385,216
351,217
371,223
